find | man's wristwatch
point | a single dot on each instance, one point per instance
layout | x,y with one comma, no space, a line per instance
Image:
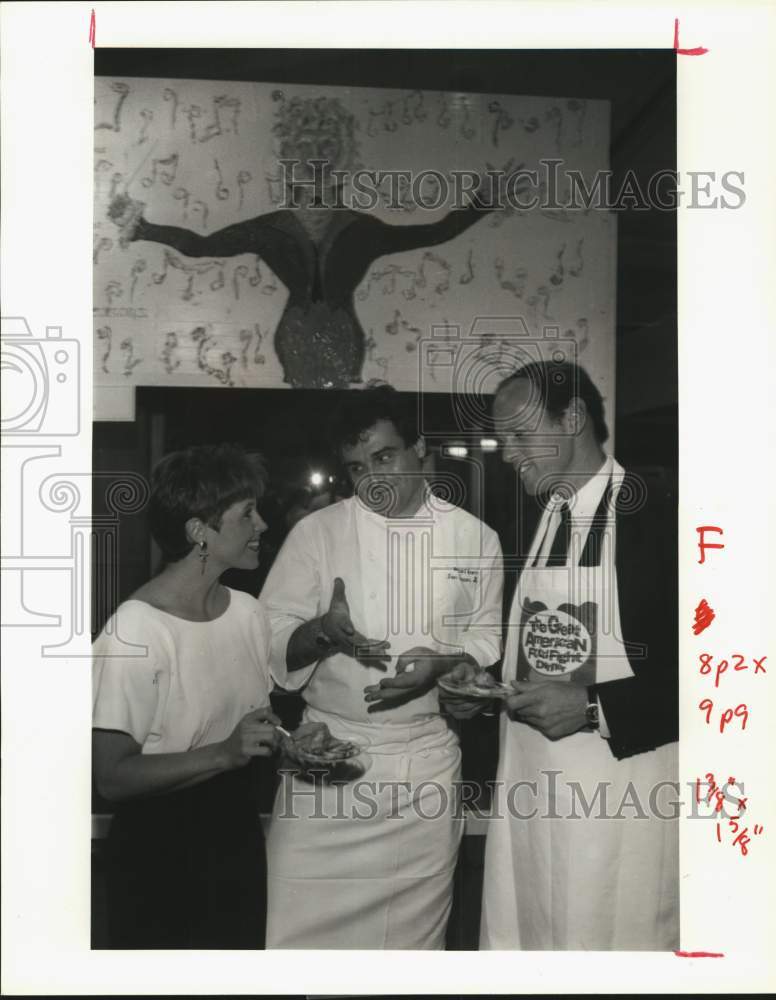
591,712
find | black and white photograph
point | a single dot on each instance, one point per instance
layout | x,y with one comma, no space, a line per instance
385,592
433,297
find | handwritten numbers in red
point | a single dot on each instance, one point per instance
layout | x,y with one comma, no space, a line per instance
739,712
92,30
716,797
742,837
727,715
737,663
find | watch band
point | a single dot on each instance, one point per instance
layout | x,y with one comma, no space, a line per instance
591,711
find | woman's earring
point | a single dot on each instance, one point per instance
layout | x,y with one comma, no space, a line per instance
203,554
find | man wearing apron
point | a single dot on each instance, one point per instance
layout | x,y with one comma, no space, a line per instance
582,849
417,582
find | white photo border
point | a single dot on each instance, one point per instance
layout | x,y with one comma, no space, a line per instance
726,323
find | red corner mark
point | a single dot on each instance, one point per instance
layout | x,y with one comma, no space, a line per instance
92,29
700,51
699,954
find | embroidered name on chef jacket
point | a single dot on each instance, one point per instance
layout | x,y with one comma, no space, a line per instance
464,574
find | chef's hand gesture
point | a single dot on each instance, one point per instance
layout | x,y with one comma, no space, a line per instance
337,626
417,671
555,709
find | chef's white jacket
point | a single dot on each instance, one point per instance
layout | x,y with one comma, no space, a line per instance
434,579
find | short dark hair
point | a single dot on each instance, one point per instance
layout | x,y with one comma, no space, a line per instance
559,383
362,408
202,481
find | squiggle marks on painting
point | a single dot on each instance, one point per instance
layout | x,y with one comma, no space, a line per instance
114,125
204,342
246,339
169,355
105,334
130,361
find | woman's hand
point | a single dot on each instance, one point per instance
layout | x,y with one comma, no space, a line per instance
125,212
254,736
122,771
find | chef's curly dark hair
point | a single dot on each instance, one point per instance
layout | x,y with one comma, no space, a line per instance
362,408
557,384
201,481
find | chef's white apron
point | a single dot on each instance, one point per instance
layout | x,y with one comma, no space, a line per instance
568,878
369,864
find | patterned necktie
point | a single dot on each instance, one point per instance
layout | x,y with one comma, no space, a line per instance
560,544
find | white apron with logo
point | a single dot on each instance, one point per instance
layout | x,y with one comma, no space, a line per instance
559,880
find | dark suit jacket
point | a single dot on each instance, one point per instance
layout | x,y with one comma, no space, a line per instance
642,712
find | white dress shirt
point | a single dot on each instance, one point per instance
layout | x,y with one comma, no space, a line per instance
583,505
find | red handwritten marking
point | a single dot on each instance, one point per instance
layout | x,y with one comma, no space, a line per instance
708,667
699,954
704,616
727,716
92,30
703,544
699,51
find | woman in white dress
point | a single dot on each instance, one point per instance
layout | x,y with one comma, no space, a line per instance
180,707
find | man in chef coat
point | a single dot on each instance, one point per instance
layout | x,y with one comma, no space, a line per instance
582,848
370,601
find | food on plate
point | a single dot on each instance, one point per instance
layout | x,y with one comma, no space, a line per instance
480,684
313,743
483,679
